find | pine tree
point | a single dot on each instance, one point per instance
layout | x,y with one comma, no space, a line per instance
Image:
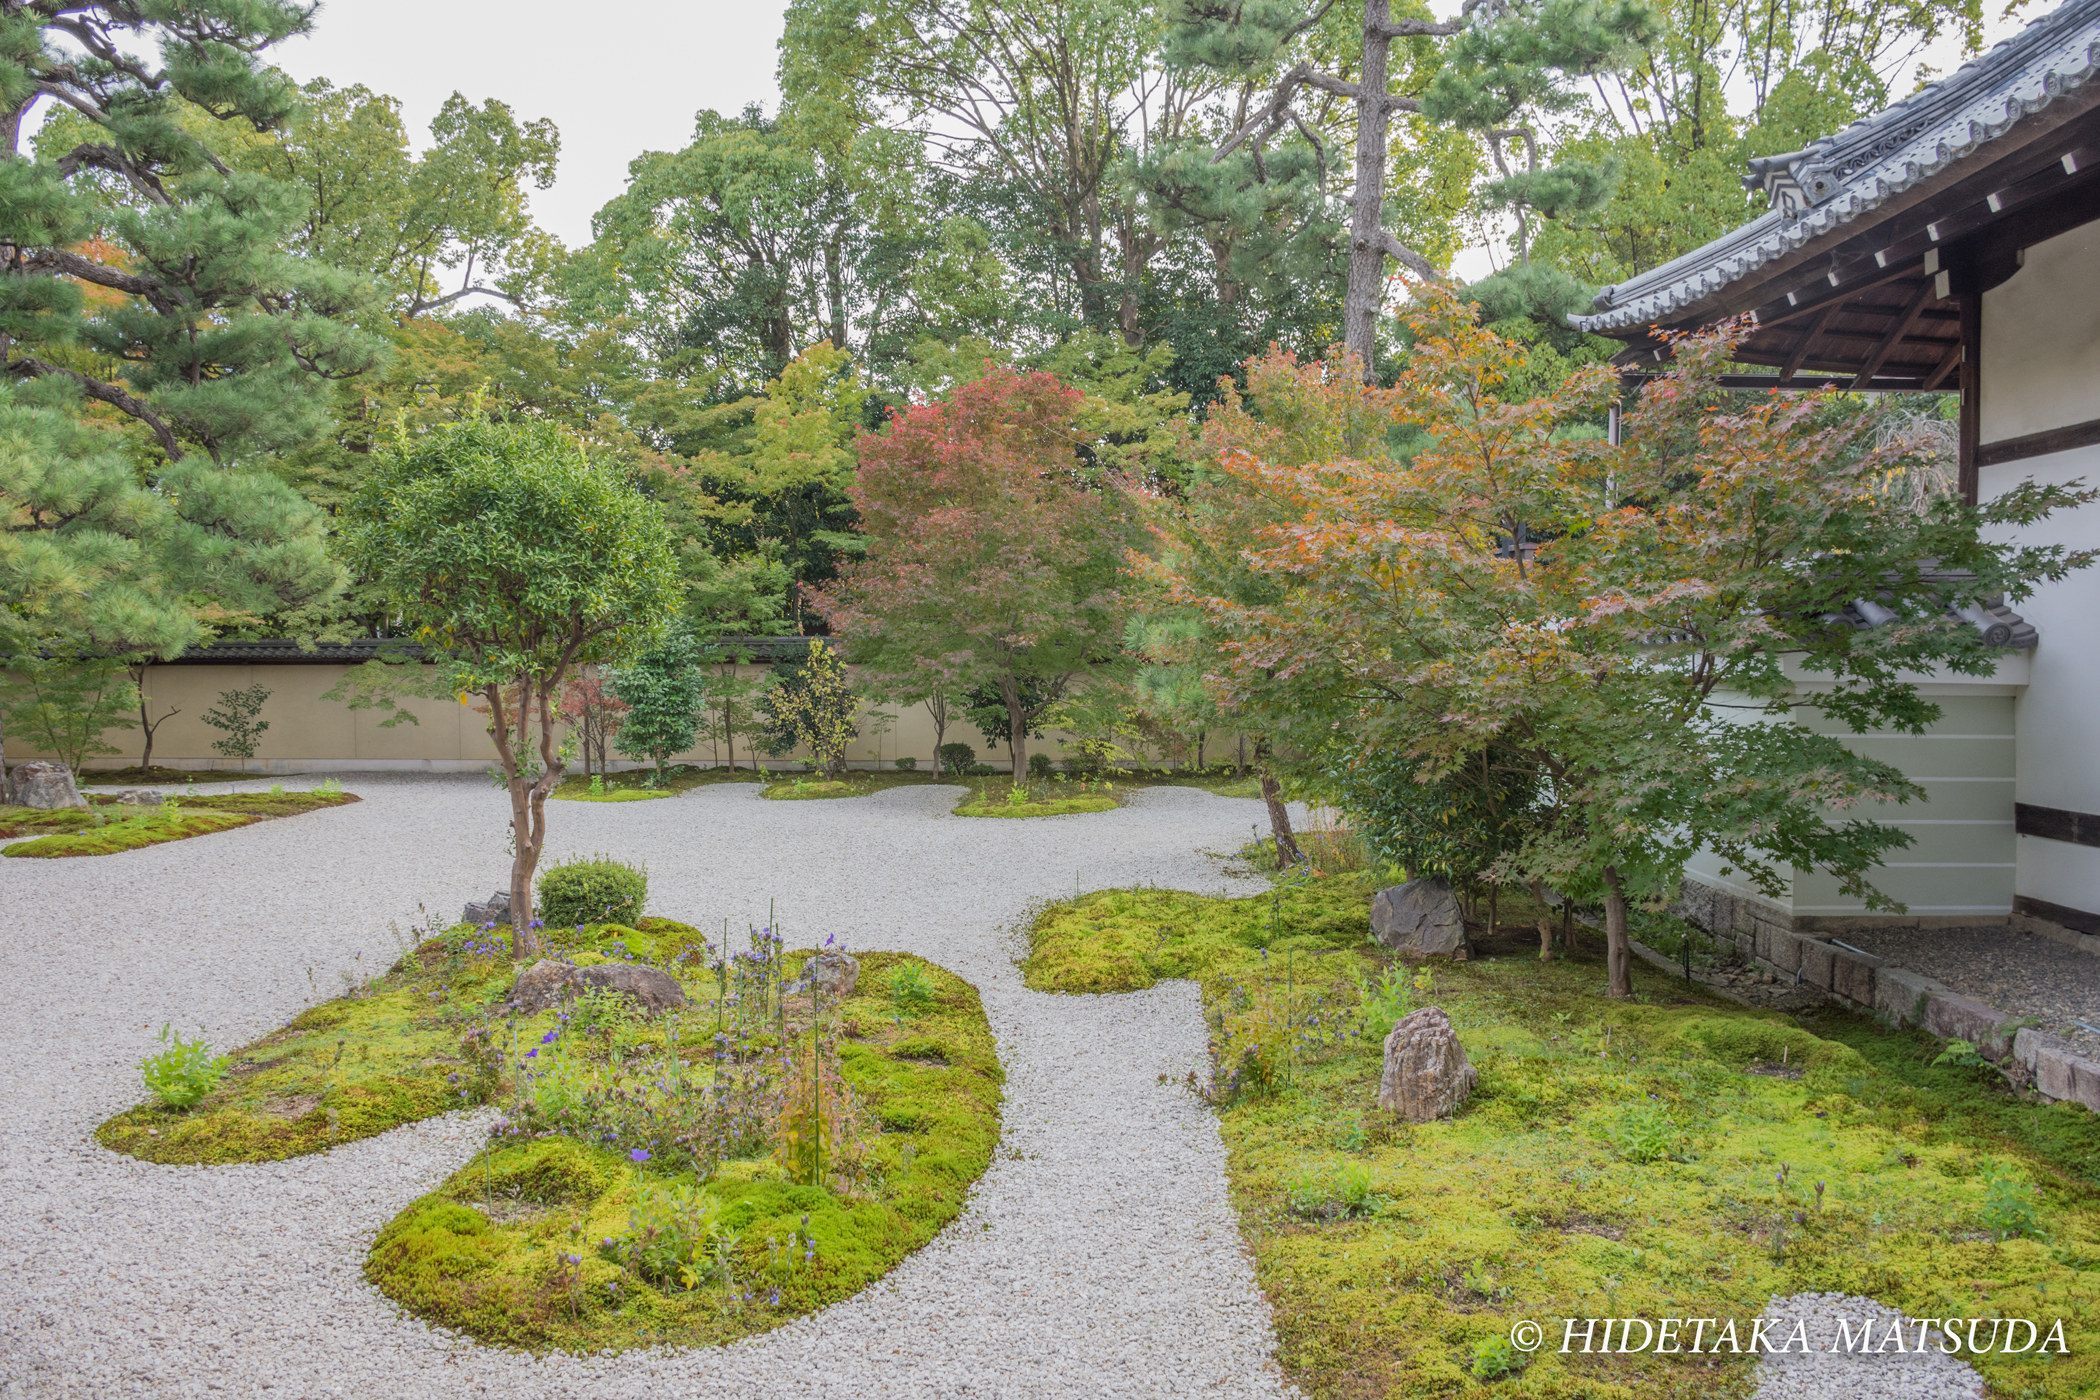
145,270
1505,60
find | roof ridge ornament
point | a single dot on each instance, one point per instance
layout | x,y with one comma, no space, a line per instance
1792,182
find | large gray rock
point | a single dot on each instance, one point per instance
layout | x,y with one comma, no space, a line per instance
547,983
46,786
1420,919
834,973
495,911
1427,1075
544,984
656,991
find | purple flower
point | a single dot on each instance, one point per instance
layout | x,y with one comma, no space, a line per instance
549,1037
533,1051
640,1154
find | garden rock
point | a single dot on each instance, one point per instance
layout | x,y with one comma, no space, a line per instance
1420,919
495,911
1427,1075
543,984
834,973
139,797
656,991
46,786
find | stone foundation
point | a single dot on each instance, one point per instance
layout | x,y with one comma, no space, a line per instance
1776,942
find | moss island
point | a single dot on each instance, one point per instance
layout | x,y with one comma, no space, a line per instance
684,1178
104,827
1676,1155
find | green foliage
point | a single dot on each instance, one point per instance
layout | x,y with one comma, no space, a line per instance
1959,1053
671,1232
592,890
1494,1358
154,276
907,764
813,706
1337,1191
65,706
663,690
910,991
184,1074
235,716
957,758
2009,1206
1040,766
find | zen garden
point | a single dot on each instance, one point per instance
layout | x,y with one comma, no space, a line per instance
1157,698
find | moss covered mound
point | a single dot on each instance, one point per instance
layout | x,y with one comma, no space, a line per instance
1126,940
1646,1159
628,784
801,790
532,1243
104,828
1055,807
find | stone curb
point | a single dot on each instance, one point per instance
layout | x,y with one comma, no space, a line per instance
1906,998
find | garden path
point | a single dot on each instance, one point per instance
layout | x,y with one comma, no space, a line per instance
1099,1255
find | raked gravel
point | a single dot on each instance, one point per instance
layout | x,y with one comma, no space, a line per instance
1097,1257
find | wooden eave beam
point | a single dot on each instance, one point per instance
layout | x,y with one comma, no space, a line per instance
1949,362
1896,332
1800,351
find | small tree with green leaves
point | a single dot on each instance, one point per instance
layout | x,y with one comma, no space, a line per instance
664,692
816,708
516,561
237,715
64,706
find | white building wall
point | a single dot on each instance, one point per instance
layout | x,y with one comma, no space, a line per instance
2041,370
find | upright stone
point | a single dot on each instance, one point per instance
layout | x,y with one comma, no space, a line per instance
1427,1075
46,786
653,990
495,911
834,973
1420,919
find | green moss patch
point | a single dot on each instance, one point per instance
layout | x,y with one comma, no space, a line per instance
1057,807
801,789
105,828
545,1241
158,776
630,785
1660,1157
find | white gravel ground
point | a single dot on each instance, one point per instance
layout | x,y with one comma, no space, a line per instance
1827,1371
1098,1255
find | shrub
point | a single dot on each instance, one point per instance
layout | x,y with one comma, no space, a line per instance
592,890
236,715
1039,765
907,765
1495,1357
981,770
911,990
185,1072
671,1231
958,758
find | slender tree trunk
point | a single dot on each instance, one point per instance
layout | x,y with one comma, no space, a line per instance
510,752
1618,956
1017,724
937,706
1287,852
1538,893
1365,294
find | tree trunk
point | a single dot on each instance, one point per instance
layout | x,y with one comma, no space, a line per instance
1017,725
1617,955
1365,294
1538,893
938,708
1287,852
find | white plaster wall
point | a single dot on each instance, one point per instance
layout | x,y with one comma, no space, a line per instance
2041,370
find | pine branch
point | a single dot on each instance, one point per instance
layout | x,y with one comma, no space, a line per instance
31,367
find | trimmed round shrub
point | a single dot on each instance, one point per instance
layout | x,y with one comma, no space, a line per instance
1039,765
958,758
592,890
906,765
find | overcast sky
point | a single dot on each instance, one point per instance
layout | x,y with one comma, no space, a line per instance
625,83
615,89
